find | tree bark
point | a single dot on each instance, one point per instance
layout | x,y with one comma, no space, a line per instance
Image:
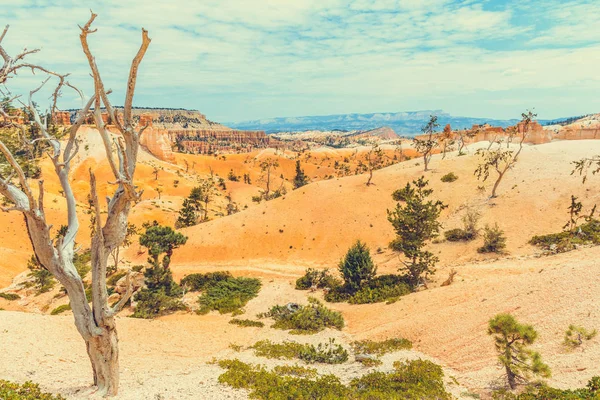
103,351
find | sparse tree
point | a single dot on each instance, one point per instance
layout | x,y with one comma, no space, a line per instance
498,160
374,160
96,324
267,168
155,171
131,231
416,223
463,135
426,145
446,139
512,340
300,179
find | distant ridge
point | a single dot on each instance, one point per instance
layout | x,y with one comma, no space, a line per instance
404,123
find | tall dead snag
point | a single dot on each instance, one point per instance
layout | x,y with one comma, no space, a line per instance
96,324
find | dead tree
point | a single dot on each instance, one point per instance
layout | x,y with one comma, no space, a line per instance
96,324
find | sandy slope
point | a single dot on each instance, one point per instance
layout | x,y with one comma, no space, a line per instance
315,225
169,355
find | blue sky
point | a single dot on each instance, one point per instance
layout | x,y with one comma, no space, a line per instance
252,59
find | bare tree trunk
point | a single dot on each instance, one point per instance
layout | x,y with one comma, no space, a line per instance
500,176
426,162
370,177
103,352
95,324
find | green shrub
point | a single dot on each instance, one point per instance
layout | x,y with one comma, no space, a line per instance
246,323
26,391
418,379
367,295
575,335
414,380
228,296
449,177
325,353
494,240
381,348
61,309
10,296
469,230
379,289
308,319
458,235
199,282
585,234
264,384
295,370
43,280
541,391
268,349
317,278
155,303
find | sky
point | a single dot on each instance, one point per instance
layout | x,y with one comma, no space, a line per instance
237,60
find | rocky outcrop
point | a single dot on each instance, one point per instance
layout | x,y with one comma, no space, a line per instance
157,143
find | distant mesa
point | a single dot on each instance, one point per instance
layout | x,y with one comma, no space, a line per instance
406,123
185,131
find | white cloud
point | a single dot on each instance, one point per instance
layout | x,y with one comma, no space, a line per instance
251,59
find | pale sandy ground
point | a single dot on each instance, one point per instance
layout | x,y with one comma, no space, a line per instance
318,223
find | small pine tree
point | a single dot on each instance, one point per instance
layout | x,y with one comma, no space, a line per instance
415,224
300,179
187,215
160,296
512,340
357,267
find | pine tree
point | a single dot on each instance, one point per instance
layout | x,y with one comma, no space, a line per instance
160,296
187,215
357,266
415,224
300,179
512,340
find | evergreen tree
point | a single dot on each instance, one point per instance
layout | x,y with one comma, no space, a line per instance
512,340
300,179
187,215
160,296
416,223
357,267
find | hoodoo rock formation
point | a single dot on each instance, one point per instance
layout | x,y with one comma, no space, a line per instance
186,131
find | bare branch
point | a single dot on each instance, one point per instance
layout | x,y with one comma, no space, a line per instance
22,179
125,298
133,77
